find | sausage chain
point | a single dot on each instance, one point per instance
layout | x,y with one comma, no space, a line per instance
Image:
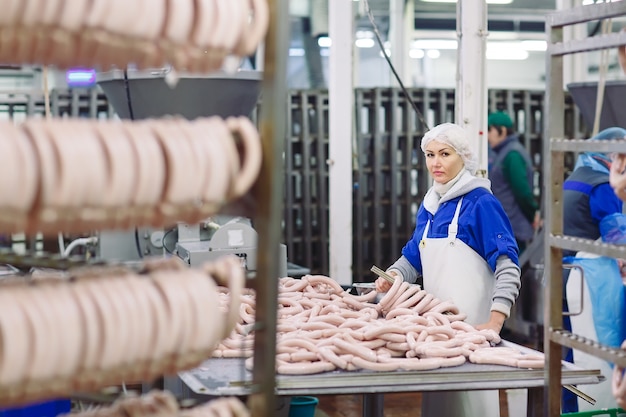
76,175
104,326
192,35
163,404
322,328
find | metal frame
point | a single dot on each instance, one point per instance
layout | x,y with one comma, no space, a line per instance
269,194
227,376
77,102
554,148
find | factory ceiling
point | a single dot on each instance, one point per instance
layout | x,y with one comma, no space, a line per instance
518,16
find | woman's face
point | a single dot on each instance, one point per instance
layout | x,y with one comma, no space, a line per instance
442,161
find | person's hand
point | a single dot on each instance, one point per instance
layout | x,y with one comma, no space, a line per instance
537,221
382,285
621,264
618,383
621,54
495,323
617,175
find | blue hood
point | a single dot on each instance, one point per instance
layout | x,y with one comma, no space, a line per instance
599,161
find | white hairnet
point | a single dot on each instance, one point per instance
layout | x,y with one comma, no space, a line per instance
455,136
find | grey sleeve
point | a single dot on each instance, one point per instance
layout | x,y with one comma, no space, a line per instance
405,269
508,282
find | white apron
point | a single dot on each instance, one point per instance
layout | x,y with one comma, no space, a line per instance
454,271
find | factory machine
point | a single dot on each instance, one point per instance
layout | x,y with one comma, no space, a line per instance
193,243
209,240
155,93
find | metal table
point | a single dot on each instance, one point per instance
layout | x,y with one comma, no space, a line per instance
226,377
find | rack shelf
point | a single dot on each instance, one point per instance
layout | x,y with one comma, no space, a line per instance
565,338
577,244
554,146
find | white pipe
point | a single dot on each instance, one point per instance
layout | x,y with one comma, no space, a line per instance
341,119
398,41
471,91
81,241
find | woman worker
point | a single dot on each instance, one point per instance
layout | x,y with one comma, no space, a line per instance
463,247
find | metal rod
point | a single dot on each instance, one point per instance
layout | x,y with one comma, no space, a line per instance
579,393
382,274
268,192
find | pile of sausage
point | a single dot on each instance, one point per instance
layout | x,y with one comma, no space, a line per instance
322,327
191,35
618,383
110,325
77,175
164,404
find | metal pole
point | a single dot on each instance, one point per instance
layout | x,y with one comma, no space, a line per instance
341,117
552,194
398,41
268,193
574,66
471,91
373,405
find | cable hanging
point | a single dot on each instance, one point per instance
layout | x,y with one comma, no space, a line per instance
382,48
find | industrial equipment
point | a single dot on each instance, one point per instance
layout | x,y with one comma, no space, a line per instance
142,94
220,235
613,102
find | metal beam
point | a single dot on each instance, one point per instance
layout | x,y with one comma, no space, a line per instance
341,116
471,91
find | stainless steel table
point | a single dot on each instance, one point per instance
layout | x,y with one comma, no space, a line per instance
224,377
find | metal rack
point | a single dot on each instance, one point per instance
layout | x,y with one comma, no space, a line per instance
554,148
268,193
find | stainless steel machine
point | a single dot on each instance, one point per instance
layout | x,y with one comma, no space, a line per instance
136,94
220,235
141,94
584,95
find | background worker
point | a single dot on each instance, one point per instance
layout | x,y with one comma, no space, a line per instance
617,179
587,194
511,175
588,199
464,247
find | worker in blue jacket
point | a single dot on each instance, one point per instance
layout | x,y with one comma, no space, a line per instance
464,249
588,199
587,194
617,179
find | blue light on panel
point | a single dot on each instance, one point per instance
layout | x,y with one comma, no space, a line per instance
80,77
